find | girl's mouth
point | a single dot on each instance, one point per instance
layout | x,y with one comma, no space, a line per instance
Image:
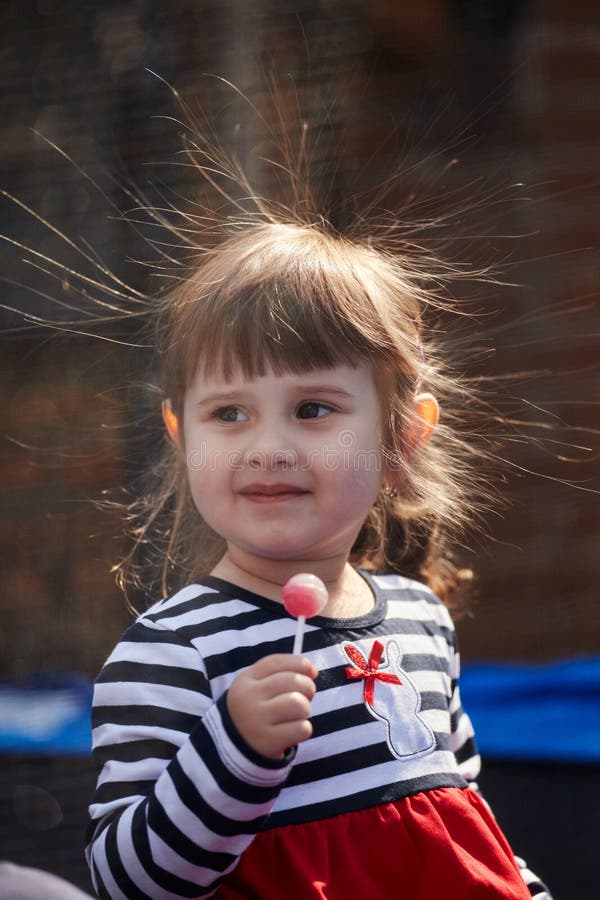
272,493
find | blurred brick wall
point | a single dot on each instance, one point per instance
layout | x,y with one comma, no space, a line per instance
539,584
511,90
60,604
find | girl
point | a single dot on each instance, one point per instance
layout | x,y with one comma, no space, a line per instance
299,403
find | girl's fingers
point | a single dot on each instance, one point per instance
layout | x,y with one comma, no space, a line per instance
288,734
283,662
287,683
286,708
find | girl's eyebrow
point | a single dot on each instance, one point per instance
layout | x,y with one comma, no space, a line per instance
321,389
219,397
236,395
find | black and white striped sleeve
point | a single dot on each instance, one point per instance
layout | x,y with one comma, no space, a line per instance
179,795
462,741
462,736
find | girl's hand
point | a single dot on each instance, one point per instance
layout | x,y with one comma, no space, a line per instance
270,703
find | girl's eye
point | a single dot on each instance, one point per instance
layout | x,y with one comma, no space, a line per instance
313,410
230,414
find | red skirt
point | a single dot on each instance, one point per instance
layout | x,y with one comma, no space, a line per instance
440,844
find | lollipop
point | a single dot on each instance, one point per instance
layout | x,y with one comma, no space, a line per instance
303,596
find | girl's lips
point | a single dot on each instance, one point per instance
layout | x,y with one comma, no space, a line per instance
272,493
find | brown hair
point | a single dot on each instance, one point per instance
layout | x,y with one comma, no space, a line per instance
296,296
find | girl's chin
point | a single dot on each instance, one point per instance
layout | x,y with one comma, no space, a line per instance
279,554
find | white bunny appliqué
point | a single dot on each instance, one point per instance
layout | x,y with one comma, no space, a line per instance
391,696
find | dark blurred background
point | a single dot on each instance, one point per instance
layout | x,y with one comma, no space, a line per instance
479,96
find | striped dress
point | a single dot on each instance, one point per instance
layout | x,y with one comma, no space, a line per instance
380,802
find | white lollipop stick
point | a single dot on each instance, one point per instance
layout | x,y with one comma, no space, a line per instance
299,636
303,596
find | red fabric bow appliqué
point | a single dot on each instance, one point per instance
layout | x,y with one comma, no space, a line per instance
368,670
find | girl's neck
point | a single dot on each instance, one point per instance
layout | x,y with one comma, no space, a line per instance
349,593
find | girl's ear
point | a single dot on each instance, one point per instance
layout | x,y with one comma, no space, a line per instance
427,415
171,421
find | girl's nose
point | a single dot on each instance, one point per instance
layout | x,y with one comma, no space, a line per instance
275,460
270,449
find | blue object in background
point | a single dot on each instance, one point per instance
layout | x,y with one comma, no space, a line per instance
548,713
48,713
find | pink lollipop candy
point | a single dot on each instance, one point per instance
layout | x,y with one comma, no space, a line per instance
303,596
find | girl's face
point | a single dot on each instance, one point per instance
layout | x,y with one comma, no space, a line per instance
285,467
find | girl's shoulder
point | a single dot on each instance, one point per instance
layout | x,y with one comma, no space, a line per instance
172,626
414,597
209,604
175,604
200,601
160,636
